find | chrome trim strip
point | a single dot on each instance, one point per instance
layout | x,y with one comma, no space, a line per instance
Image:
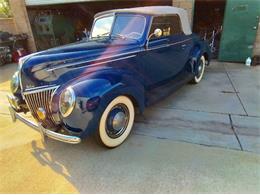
89,61
168,45
49,104
104,62
45,132
40,89
20,81
118,55
41,97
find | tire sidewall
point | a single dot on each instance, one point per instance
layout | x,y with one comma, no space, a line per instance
196,79
102,133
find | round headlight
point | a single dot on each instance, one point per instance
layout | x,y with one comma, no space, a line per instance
15,82
67,102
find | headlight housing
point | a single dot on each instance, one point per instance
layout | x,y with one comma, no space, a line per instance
67,102
14,85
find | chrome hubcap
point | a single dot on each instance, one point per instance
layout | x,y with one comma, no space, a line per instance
200,67
117,121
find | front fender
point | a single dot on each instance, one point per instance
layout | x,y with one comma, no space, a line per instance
102,90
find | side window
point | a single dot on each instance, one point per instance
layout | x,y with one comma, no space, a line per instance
170,25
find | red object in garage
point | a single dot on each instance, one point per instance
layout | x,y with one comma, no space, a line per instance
18,53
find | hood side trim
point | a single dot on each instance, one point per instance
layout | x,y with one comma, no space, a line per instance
104,62
89,61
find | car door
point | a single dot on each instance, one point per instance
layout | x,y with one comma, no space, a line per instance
164,57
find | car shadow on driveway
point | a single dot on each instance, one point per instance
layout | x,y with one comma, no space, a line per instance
42,155
144,164
88,166
70,161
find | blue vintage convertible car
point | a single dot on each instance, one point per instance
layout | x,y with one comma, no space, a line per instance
133,58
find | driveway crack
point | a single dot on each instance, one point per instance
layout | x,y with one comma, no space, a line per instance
234,131
236,92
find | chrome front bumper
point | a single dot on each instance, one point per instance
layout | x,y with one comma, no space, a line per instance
44,132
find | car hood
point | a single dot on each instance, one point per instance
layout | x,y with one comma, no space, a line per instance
56,65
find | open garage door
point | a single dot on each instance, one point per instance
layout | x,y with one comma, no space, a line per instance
59,22
208,21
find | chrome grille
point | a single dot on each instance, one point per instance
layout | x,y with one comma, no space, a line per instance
41,99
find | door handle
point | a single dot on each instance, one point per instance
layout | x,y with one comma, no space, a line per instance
254,27
183,46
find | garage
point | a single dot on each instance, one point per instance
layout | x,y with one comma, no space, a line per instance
62,22
208,21
230,26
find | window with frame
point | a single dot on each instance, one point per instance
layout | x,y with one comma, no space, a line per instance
170,25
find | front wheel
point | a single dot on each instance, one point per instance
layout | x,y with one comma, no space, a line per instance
116,122
200,72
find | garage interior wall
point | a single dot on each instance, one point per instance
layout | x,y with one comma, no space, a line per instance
21,21
60,24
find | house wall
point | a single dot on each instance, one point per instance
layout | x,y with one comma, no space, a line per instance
8,25
22,22
187,5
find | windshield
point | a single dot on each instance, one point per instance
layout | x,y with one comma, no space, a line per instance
102,27
125,26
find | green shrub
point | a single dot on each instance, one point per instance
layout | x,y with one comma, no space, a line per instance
5,10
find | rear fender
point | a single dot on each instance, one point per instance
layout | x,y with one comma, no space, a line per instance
200,49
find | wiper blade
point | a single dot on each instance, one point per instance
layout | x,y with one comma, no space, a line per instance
119,35
122,36
104,34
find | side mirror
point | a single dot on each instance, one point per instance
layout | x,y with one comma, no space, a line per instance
157,33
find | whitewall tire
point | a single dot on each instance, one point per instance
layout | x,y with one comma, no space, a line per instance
201,69
116,122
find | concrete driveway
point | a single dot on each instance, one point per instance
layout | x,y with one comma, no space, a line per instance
222,111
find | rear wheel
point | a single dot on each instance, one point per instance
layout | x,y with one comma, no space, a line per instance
116,122
200,72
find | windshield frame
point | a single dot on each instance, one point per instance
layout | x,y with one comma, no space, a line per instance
113,23
95,20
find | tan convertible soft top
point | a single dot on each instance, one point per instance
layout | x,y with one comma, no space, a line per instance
155,11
